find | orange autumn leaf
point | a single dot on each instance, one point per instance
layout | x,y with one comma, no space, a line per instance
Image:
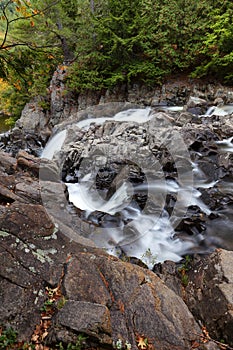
142,343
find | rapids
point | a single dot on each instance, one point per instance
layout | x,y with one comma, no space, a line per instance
124,228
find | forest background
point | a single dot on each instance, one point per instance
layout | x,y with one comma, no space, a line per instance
104,43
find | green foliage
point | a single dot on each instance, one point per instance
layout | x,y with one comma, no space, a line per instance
186,263
8,341
77,346
217,47
47,306
61,302
110,42
7,338
185,267
28,57
143,41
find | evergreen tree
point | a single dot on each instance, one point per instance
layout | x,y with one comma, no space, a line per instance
110,42
218,44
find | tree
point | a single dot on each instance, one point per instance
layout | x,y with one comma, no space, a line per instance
111,42
27,60
218,44
139,41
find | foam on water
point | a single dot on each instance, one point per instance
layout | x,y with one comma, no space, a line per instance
138,115
148,237
226,145
220,111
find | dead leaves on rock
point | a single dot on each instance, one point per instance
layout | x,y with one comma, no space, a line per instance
39,335
205,338
41,330
144,343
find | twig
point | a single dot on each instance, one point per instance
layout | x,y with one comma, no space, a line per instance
206,338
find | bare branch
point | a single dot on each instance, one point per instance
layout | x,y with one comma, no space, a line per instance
7,25
9,22
30,46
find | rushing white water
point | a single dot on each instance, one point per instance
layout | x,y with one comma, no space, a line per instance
82,197
172,108
151,243
226,145
220,111
148,236
151,236
138,115
54,145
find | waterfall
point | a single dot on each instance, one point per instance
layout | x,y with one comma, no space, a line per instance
122,227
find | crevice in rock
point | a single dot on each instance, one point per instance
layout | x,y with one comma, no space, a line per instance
13,282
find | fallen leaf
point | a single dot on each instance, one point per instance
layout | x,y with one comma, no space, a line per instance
142,343
195,345
35,338
44,335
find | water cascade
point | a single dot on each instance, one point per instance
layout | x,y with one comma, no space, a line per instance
127,227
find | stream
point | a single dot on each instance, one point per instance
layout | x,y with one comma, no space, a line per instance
147,212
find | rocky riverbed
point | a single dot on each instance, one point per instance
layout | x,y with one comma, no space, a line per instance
58,282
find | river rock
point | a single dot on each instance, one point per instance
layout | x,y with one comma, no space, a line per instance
44,246
42,114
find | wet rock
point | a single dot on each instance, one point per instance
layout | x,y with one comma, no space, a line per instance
28,190
19,304
42,244
7,196
168,273
26,220
34,120
107,299
195,110
194,102
30,132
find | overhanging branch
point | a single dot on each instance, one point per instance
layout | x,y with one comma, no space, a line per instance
9,22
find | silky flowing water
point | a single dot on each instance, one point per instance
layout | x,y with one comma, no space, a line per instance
151,236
